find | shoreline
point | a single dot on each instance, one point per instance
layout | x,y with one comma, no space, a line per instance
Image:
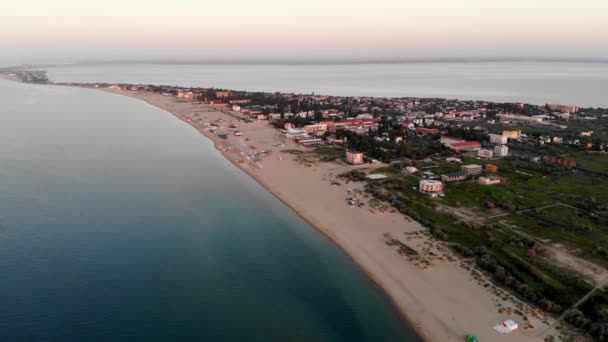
416,303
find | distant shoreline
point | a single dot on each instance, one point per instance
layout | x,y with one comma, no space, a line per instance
313,62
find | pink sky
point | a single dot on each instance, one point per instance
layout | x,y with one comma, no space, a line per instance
64,30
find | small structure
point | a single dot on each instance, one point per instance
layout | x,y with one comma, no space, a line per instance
411,169
354,158
315,128
489,180
491,168
453,160
454,177
430,175
506,327
431,187
472,169
375,176
310,141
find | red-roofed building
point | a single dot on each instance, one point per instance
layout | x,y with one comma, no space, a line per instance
219,103
427,130
407,124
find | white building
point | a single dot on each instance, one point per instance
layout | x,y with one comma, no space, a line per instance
498,139
501,151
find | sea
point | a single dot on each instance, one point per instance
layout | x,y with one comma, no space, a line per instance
541,82
119,222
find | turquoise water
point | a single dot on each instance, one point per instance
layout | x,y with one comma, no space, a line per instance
532,82
119,222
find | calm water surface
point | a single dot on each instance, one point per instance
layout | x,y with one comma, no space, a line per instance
119,222
584,84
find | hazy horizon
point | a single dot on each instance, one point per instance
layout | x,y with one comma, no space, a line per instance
67,31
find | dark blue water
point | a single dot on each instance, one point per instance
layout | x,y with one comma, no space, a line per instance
119,222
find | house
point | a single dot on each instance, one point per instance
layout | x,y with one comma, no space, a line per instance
354,158
411,169
453,160
431,187
501,150
486,154
491,168
472,169
454,177
498,139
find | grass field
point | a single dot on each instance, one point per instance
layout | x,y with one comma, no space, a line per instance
549,207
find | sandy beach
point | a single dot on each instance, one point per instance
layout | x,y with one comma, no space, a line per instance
436,291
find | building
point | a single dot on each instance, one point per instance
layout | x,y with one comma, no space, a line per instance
185,95
447,141
432,187
563,108
559,161
472,169
222,94
422,130
411,169
498,139
315,128
519,118
489,180
354,158
486,154
511,134
467,146
491,168
501,150
454,177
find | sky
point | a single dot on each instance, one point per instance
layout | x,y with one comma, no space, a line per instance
63,31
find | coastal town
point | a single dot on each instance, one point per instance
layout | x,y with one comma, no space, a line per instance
508,198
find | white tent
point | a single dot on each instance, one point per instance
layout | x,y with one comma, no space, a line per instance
506,326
